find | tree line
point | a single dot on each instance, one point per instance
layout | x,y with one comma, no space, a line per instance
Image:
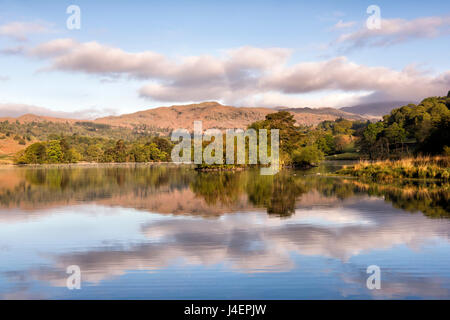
410,130
407,130
72,149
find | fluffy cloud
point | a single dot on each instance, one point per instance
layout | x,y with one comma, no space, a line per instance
16,110
341,74
92,57
20,30
394,31
247,75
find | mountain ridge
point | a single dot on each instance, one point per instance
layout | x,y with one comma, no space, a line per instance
211,113
216,115
375,108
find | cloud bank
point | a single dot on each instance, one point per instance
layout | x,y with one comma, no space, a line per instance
20,31
243,76
15,110
395,31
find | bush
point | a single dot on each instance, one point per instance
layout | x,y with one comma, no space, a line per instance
307,156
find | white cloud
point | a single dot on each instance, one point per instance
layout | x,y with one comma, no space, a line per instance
16,110
328,99
394,31
246,75
21,30
341,74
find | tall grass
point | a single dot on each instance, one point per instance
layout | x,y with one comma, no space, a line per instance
423,167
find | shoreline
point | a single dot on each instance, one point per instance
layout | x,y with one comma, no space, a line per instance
103,164
91,164
415,169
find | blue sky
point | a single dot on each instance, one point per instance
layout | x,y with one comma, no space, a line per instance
249,53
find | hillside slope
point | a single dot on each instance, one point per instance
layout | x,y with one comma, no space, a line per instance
376,108
214,115
324,112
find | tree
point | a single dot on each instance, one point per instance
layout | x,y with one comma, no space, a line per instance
54,152
341,142
422,126
307,156
163,144
120,154
369,138
34,154
155,153
94,153
395,133
109,155
436,142
447,101
342,126
290,137
65,149
139,153
326,144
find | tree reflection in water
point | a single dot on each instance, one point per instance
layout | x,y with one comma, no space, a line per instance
140,185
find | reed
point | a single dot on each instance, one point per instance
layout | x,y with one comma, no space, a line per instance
423,167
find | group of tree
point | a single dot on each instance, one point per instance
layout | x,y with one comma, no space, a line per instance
296,147
72,149
411,129
307,145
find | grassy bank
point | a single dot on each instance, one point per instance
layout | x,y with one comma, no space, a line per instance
410,168
345,156
6,159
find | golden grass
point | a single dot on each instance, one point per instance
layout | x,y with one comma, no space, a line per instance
423,167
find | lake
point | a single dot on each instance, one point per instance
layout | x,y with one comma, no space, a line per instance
167,232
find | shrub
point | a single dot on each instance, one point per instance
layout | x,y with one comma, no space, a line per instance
307,156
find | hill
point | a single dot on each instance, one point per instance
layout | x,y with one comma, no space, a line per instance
324,112
376,108
27,118
214,115
17,133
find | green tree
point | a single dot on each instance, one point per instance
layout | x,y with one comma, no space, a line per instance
94,153
395,133
307,156
54,152
369,138
290,137
34,154
120,152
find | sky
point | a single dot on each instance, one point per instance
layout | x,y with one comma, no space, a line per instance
129,56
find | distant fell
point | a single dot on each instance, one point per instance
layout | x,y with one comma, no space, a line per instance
163,120
216,115
324,111
375,108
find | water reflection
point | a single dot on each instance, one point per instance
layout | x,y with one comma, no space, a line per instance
218,234
184,191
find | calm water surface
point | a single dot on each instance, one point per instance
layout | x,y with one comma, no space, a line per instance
156,232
